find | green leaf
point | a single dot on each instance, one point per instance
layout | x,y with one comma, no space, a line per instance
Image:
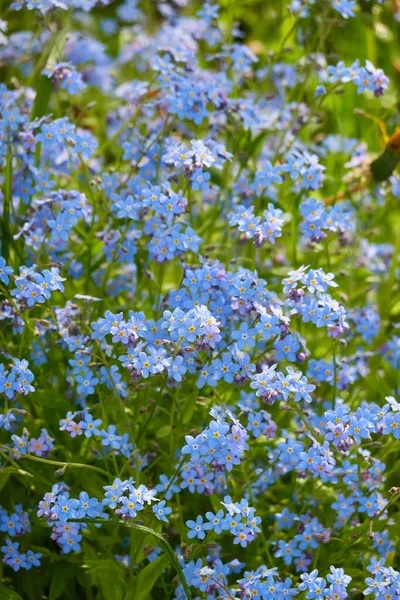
32,586
383,166
110,577
188,409
256,143
4,475
216,502
42,99
111,589
97,565
164,431
395,310
170,553
161,539
7,471
45,87
144,582
7,593
62,574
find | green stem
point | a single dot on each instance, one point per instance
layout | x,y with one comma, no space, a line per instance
293,404
56,462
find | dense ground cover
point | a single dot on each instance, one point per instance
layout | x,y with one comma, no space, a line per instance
199,318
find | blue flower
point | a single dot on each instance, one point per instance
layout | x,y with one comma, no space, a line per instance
161,511
5,271
196,528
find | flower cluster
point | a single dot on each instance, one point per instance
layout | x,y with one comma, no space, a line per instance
16,525
240,520
318,220
33,288
82,423
199,300
17,380
61,511
365,78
